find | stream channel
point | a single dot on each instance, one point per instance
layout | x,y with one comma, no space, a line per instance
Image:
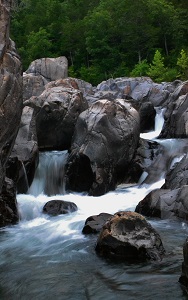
49,258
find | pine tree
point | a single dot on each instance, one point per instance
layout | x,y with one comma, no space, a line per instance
157,69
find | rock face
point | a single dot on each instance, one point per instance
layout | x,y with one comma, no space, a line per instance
128,236
50,68
176,117
33,85
178,176
105,139
25,155
58,207
57,110
10,98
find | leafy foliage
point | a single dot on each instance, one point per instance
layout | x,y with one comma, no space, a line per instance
104,38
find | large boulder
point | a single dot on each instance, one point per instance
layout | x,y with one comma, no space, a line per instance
24,157
50,68
128,236
105,139
57,110
176,117
10,102
165,204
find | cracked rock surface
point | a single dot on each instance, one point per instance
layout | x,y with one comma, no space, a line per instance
105,139
10,111
56,111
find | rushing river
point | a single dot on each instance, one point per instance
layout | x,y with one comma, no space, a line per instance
49,258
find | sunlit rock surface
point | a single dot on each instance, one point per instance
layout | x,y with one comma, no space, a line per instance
128,236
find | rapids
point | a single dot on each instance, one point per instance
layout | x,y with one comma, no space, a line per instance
46,257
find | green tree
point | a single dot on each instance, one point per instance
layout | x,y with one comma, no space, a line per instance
140,69
182,63
157,69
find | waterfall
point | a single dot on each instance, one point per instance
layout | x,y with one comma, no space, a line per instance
159,122
49,177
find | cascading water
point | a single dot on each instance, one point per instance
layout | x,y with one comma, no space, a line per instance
48,258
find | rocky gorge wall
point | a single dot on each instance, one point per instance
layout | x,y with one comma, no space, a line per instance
10,112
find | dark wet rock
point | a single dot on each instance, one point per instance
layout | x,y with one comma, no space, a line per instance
24,157
8,204
176,117
158,204
58,207
57,110
184,275
50,68
94,224
129,237
147,117
104,143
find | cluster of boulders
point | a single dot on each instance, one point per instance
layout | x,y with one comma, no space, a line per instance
100,127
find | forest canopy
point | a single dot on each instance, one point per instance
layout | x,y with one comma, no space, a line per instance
105,38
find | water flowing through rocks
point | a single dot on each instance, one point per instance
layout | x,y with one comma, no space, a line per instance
46,257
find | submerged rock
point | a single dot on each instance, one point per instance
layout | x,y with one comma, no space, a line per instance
58,207
128,236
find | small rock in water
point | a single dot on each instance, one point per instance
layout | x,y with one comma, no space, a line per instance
94,224
128,236
58,207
